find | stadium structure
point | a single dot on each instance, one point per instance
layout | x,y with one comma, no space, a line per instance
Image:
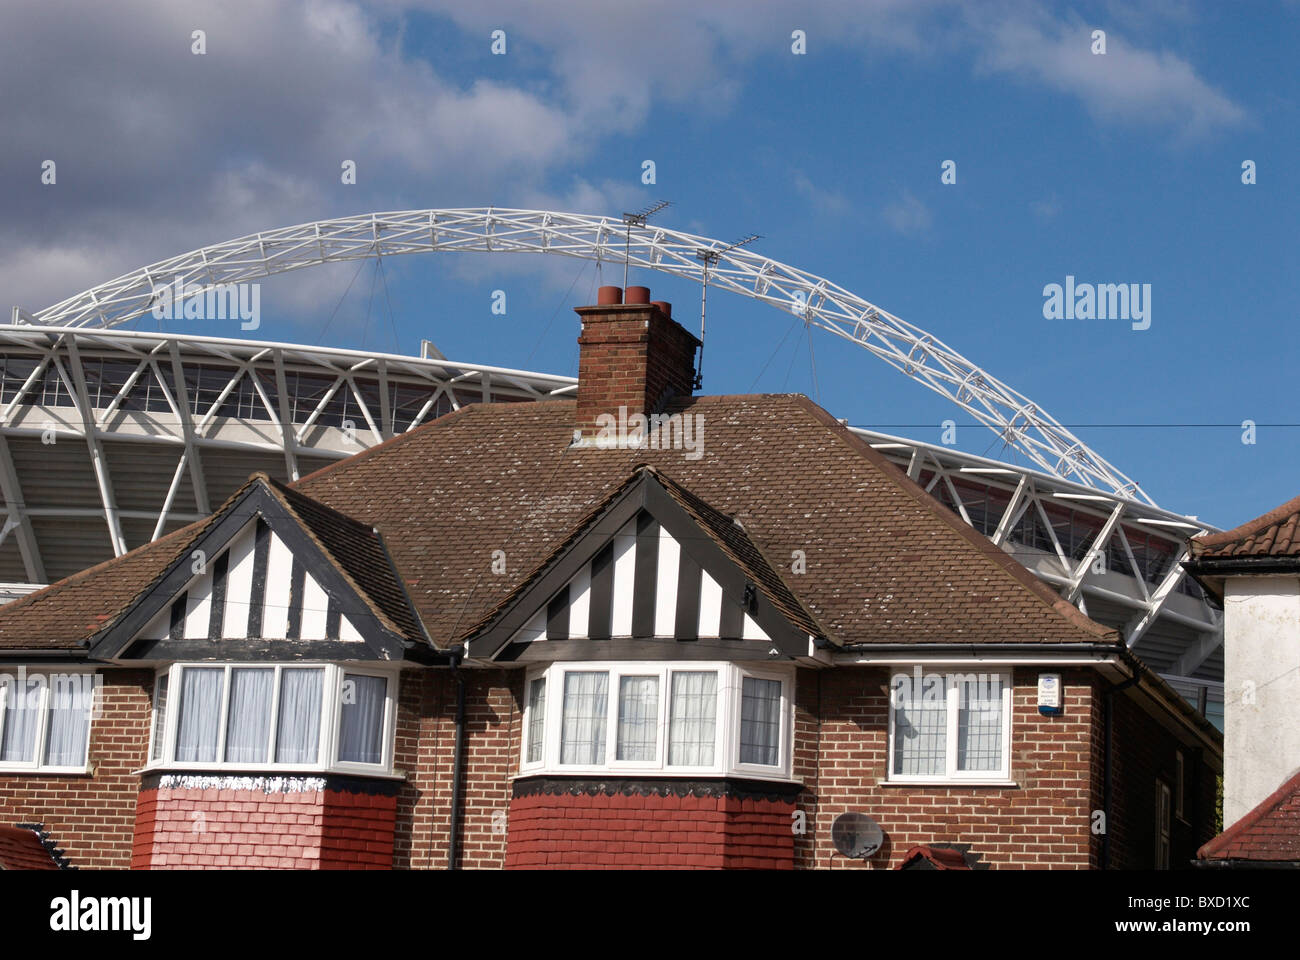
110,438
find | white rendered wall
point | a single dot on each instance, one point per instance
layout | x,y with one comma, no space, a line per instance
1261,643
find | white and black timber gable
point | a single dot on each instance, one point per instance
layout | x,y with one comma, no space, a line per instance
260,583
653,574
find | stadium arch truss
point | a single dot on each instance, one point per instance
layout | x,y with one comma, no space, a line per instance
109,438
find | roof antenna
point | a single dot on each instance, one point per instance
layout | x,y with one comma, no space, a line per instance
711,257
638,219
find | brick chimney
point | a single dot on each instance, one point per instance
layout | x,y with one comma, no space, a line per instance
632,354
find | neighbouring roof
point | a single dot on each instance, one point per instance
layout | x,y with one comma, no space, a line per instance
925,857
885,561
1269,833
23,849
1275,534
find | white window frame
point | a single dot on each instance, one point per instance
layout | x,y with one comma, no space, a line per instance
37,764
998,777
726,752
331,720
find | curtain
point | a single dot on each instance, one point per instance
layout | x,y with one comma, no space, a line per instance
979,724
248,722
159,719
21,720
921,728
297,737
638,718
694,708
361,728
586,705
71,696
200,714
760,721
537,720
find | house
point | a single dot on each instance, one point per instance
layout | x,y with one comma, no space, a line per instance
1253,571
638,628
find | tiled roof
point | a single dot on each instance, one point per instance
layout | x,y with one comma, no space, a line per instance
1275,534
886,562
22,849
1270,832
725,532
358,554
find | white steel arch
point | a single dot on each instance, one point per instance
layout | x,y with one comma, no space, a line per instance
1021,423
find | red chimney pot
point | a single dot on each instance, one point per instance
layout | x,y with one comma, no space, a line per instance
609,296
664,306
637,295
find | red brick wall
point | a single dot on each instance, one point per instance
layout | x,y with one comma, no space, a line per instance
632,356
841,745
426,739
92,816
250,829
635,830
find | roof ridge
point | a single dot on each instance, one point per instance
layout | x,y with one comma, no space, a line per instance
1248,529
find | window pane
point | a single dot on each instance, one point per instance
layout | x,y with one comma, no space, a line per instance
248,725
200,714
920,727
71,696
760,721
22,719
979,723
638,718
361,730
692,730
159,719
536,720
297,734
586,704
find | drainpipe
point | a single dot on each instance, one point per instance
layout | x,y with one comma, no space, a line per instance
453,838
1109,694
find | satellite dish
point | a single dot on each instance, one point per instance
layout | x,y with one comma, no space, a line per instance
856,835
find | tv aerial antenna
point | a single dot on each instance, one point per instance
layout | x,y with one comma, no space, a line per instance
709,257
637,219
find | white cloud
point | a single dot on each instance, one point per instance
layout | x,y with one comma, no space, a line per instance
907,214
823,201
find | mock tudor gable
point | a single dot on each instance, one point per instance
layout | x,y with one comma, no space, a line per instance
259,583
651,563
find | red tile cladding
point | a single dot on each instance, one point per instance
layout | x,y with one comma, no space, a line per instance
1269,833
631,831
250,829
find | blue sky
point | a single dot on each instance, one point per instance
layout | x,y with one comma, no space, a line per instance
1122,168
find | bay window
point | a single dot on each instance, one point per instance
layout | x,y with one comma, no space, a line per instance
274,717
949,727
45,721
658,718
